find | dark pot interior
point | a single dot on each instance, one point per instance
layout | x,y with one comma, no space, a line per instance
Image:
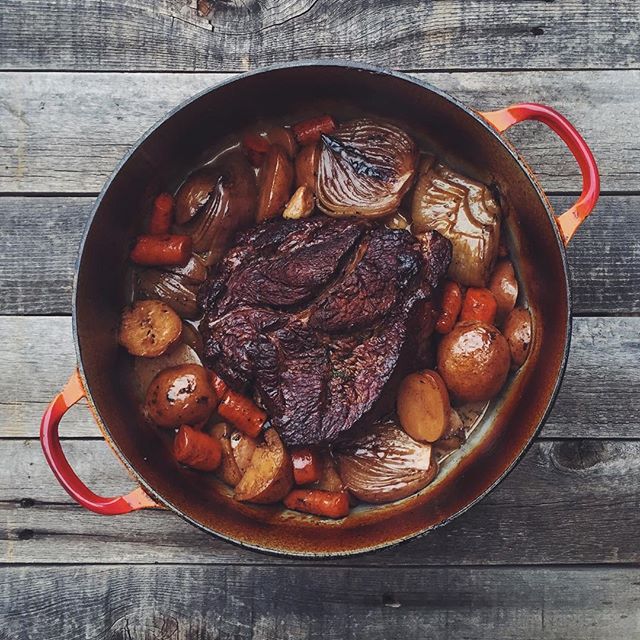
176,145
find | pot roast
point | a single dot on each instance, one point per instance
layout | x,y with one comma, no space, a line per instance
315,315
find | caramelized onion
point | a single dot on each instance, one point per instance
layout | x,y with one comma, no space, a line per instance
385,464
217,201
463,211
178,291
364,169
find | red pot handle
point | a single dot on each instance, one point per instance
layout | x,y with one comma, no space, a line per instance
570,220
72,392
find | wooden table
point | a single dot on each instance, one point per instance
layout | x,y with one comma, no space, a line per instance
552,553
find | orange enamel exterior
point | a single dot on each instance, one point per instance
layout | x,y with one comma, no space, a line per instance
570,220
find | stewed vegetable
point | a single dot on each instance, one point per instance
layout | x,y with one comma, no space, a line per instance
474,361
180,395
328,300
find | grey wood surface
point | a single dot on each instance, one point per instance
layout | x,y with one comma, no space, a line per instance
64,132
263,603
241,34
552,554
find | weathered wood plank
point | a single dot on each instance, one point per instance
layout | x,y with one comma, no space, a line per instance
598,398
39,238
170,35
566,502
66,131
262,603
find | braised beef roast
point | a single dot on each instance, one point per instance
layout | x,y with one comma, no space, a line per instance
313,315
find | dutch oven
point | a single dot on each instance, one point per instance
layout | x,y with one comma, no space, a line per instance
462,137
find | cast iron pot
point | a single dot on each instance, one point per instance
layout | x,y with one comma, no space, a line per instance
468,140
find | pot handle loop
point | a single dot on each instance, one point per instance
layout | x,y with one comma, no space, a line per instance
570,220
50,440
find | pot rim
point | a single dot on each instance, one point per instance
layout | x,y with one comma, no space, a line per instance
367,68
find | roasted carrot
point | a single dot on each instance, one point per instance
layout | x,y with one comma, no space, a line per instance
218,384
307,465
196,449
479,304
255,148
161,215
332,504
310,130
164,250
242,413
451,305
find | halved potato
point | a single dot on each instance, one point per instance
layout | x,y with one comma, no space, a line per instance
269,477
307,166
243,447
423,406
228,471
149,328
518,332
503,284
275,181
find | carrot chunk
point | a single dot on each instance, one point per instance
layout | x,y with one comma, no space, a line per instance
479,304
196,449
309,131
451,305
164,250
332,504
218,384
307,465
161,215
242,412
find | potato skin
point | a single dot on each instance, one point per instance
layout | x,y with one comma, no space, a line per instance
517,331
474,361
228,471
180,395
504,286
269,477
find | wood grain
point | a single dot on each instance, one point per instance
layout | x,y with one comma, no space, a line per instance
242,34
566,502
305,603
598,398
39,239
65,132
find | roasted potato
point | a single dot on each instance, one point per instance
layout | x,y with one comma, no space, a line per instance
517,331
269,477
243,448
180,395
423,406
307,166
228,471
503,284
473,361
146,369
283,137
275,182
149,328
